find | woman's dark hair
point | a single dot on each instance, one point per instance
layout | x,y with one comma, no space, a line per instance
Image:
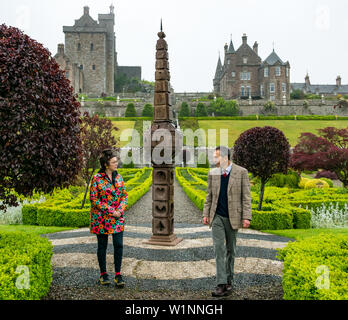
224,151
107,154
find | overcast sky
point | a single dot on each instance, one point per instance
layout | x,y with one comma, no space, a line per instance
312,35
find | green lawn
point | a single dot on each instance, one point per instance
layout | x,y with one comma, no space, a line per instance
291,128
37,230
123,125
300,234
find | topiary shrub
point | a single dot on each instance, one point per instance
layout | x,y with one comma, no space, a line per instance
147,111
130,110
316,183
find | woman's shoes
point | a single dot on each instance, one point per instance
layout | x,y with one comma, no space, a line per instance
104,279
119,282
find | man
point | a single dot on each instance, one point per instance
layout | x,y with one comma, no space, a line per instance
226,209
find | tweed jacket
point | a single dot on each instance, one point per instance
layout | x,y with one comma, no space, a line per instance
238,195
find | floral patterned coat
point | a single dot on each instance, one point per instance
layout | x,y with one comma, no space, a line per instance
106,197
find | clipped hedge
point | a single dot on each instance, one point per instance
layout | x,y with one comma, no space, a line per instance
302,280
196,196
277,211
280,219
33,252
63,209
29,214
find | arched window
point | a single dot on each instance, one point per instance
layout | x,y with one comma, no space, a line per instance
92,47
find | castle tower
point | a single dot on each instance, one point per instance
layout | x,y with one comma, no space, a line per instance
90,46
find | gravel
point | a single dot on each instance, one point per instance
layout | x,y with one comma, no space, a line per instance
80,282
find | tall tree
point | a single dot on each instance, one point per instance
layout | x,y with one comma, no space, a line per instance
201,110
328,151
40,143
97,134
264,152
185,110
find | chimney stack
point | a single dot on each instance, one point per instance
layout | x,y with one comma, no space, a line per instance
244,38
256,48
61,49
85,10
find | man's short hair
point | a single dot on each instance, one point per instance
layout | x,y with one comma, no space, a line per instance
224,151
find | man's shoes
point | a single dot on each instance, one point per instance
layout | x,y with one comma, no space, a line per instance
104,279
119,282
229,288
220,291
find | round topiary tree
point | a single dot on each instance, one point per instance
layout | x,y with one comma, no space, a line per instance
148,110
40,144
130,110
264,152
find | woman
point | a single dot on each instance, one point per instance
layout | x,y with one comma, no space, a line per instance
108,201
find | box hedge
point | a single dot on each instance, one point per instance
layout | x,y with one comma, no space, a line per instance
304,265
18,251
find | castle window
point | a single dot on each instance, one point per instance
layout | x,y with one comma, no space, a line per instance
228,61
79,47
233,74
284,87
92,46
266,72
242,91
277,71
93,67
81,66
271,87
245,60
67,74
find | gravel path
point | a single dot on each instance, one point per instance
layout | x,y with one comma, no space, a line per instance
184,210
186,271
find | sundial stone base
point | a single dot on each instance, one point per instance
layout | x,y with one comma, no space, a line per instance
170,240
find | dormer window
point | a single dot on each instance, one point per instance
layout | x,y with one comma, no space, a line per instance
245,60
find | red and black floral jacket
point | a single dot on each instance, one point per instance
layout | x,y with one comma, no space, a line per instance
106,197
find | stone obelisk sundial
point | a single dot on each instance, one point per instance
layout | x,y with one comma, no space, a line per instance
163,162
